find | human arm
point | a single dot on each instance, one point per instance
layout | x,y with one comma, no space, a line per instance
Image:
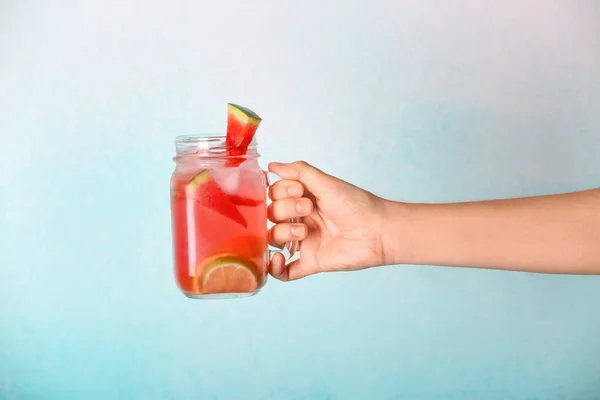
549,234
343,227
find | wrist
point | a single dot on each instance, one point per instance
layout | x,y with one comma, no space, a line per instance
397,231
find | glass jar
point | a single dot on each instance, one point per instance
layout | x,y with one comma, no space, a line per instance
219,219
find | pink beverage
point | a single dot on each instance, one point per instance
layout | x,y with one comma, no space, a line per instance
219,219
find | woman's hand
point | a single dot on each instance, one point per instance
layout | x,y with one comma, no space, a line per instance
339,228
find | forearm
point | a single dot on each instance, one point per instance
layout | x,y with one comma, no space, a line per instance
551,234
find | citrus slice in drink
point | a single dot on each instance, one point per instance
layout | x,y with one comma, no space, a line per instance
225,273
242,124
206,191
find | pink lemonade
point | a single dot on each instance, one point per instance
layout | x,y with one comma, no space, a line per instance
219,220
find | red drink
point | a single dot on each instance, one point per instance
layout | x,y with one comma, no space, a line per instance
219,219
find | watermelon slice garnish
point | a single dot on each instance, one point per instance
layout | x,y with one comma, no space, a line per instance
206,191
242,124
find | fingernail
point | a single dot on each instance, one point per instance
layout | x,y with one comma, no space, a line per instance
293,190
298,230
302,207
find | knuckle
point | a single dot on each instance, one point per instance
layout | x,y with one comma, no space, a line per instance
280,208
301,163
278,189
291,205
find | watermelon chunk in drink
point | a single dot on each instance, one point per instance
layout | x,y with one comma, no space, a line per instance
204,189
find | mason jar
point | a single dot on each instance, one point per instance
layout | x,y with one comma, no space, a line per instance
219,219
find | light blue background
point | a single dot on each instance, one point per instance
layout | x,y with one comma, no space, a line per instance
413,100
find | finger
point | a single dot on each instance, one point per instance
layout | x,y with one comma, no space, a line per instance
291,272
285,188
285,209
312,178
282,233
277,267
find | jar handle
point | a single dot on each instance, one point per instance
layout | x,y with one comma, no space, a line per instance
293,246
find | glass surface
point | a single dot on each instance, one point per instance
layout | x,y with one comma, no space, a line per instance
219,219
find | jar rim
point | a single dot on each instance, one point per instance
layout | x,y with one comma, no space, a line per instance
204,138
213,143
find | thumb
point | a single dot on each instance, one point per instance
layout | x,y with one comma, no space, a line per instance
315,180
